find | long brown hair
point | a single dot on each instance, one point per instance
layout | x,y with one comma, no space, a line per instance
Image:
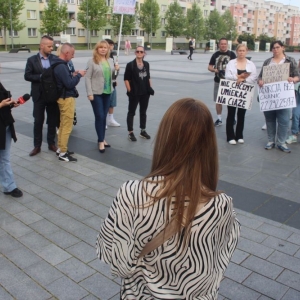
96,56
186,156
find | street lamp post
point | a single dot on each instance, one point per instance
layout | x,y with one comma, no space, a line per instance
87,24
11,26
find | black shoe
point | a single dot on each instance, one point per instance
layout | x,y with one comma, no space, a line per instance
132,137
218,122
145,135
67,158
16,193
69,152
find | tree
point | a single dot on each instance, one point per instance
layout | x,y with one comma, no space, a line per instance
214,26
92,15
128,23
175,20
229,26
247,37
149,17
194,23
55,18
263,39
15,7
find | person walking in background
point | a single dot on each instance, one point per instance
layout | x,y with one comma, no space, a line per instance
113,96
35,66
217,65
7,133
240,70
191,48
278,118
66,83
99,86
127,47
174,221
138,84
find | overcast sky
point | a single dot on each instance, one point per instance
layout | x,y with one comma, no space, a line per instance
291,2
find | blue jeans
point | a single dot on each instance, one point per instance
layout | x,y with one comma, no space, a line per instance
113,99
6,174
296,116
100,106
280,117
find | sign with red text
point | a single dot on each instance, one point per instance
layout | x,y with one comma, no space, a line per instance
124,7
231,93
277,95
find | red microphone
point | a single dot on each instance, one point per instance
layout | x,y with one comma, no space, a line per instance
23,99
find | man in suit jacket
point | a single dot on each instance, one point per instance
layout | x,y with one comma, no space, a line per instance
34,68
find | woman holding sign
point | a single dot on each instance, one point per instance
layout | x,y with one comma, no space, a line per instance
279,116
240,70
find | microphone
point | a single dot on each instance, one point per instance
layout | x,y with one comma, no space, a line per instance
22,99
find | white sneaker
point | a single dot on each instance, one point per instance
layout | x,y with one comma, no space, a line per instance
264,127
113,123
232,142
241,141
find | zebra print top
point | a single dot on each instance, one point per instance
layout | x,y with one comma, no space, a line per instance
192,272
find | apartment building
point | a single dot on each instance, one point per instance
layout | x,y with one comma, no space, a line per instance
252,16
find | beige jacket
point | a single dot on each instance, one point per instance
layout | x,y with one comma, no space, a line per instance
94,79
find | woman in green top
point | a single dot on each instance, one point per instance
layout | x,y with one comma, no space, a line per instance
99,85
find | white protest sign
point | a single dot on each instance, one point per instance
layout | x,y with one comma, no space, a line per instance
235,94
275,73
276,95
124,7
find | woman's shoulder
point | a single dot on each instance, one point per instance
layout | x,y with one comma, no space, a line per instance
222,200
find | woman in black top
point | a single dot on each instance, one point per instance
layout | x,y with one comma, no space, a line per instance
7,132
138,85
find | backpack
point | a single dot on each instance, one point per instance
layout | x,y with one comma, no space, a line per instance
49,86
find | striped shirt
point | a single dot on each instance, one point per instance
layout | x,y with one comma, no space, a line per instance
192,272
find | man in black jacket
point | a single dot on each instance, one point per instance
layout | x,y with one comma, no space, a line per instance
66,82
34,68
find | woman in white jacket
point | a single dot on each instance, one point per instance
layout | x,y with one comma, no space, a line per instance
240,70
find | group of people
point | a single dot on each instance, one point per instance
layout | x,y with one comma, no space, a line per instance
226,65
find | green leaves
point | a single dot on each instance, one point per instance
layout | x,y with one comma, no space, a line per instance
194,23
175,20
55,18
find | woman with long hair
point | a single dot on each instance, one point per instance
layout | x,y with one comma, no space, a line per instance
99,85
240,70
279,119
171,235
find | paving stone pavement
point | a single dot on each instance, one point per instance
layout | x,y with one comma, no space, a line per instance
47,237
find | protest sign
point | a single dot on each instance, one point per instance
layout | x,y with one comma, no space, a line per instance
125,7
276,73
276,95
235,94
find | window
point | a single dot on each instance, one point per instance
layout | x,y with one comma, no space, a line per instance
79,2
134,31
70,1
15,33
163,34
205,13
163,21
153,34
107,32
1,32
142,32
32,32
94,33
31,14
71,16
81,32
107,2
70,30
163,8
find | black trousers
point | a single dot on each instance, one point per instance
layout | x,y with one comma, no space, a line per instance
230,123
134,100
52,110
191,52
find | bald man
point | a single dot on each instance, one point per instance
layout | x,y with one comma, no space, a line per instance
35,66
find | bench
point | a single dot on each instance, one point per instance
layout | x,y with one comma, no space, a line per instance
180,51
16,50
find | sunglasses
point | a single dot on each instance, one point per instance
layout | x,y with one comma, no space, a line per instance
138,51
